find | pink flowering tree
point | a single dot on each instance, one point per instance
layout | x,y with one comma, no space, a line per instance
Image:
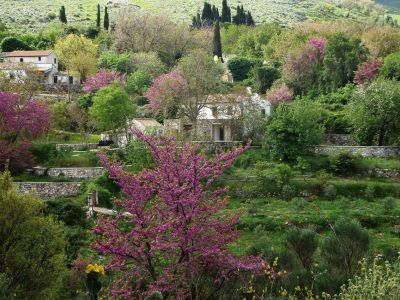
279,95
20,123
368,71
166,91
175,239
102,79
302,68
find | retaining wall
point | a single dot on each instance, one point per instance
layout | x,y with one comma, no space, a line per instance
50,189
76,147
83,173
365,151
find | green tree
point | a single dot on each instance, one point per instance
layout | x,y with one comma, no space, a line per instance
32,249
138,155
112,109
78,54
373,113
138,82
10,44
240,67
98,21
249,19
304,243
217,47
342,58
62,15
207,14
391,66
293,128
264,77
345,246
226,13
106,19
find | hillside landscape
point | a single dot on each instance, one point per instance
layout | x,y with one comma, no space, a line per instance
35,15
221,150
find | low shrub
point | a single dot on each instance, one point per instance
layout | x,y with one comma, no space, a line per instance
43,152
343,163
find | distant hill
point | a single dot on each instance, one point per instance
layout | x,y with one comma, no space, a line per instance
32,15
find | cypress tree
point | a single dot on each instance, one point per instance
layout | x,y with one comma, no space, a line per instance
242,16
194,22
207,14
249,19
217,46
225,14
198,19
106,19
98,16
63,16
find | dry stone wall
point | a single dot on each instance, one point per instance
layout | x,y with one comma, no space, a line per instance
50,189
365,151
82,173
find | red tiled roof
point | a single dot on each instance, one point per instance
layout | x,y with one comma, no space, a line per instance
33,53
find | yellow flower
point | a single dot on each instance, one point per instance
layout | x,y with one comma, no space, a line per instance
95,268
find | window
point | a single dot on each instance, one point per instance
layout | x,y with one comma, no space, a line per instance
221,133
55,79
214,111
71,80
21,60
55,60
230,110
40,58
263,112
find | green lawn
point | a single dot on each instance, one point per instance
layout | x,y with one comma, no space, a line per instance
64,137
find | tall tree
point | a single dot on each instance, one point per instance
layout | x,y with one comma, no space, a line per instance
98,16
63,16
217,46
249,19
226,12
176,239
207,14
106,19
32,259
78,54
112,109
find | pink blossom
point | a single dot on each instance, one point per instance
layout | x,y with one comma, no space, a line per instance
367,71
20,122
176,238
102,79
279,95
318,44
166,90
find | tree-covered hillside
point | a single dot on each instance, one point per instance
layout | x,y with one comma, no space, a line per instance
34,15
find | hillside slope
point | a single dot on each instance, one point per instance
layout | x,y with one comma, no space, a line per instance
32,15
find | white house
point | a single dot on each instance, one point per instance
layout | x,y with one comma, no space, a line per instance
223,117
122,137
44,61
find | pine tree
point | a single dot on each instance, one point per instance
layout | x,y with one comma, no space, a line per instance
225,14
249,19
106,19
98,16
242,17
217,46
63,16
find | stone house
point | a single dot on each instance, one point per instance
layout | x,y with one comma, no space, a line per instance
222,118
121,137
45,62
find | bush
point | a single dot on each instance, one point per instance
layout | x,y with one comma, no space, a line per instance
370,192
345,245
138,82
381,280
240,68
138,154
304,243
43,152
293,129
10,44
264,77
391,66
288,192
299,203
140,101
330,191
343,163
389,204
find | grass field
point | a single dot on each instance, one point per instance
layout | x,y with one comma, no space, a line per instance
33,15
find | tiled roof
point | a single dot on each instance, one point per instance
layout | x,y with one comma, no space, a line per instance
27,53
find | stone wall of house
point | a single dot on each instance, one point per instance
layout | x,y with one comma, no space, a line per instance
50,189
76,147
340,140
217,146
83,173
365,151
